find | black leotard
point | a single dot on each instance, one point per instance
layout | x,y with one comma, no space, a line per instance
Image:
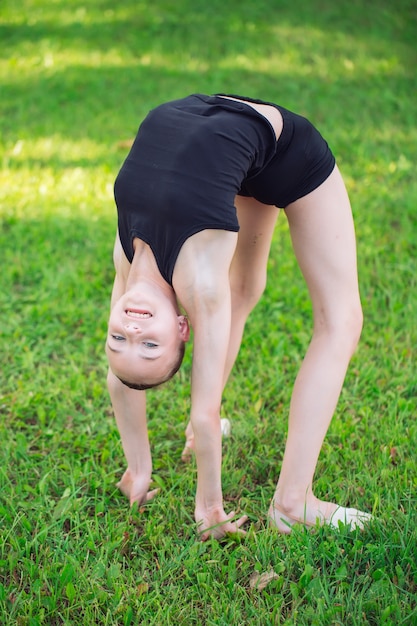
192,156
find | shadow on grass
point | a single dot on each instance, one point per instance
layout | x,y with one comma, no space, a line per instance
146,54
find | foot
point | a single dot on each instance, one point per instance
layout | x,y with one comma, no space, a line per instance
323,513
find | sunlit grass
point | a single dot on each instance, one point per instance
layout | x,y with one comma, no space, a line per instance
76,79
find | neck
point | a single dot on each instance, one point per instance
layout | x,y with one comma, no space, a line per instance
144,271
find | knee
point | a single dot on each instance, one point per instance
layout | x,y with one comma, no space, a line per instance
247,291
343,328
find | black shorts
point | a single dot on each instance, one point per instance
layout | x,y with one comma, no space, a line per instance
302,162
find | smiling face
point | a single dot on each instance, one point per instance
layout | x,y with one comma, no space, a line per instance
145,338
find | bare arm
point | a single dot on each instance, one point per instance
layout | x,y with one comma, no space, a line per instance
129,406
202,284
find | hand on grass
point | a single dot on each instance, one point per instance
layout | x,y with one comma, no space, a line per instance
217,524
136,488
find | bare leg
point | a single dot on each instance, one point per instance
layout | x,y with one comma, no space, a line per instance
247,276
248,271
323,237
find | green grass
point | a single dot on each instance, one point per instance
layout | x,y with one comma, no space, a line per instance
76,78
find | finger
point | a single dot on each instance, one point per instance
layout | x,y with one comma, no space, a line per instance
235,527
228,530
216,532
225,528
232,514
187,453
242,520
236,532
151,494
143,499
203,535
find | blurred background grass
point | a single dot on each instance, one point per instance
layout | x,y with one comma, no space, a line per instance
76,78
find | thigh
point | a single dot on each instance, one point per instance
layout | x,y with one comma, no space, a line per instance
257,222
323,236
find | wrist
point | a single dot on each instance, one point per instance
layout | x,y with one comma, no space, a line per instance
139,471
204,505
